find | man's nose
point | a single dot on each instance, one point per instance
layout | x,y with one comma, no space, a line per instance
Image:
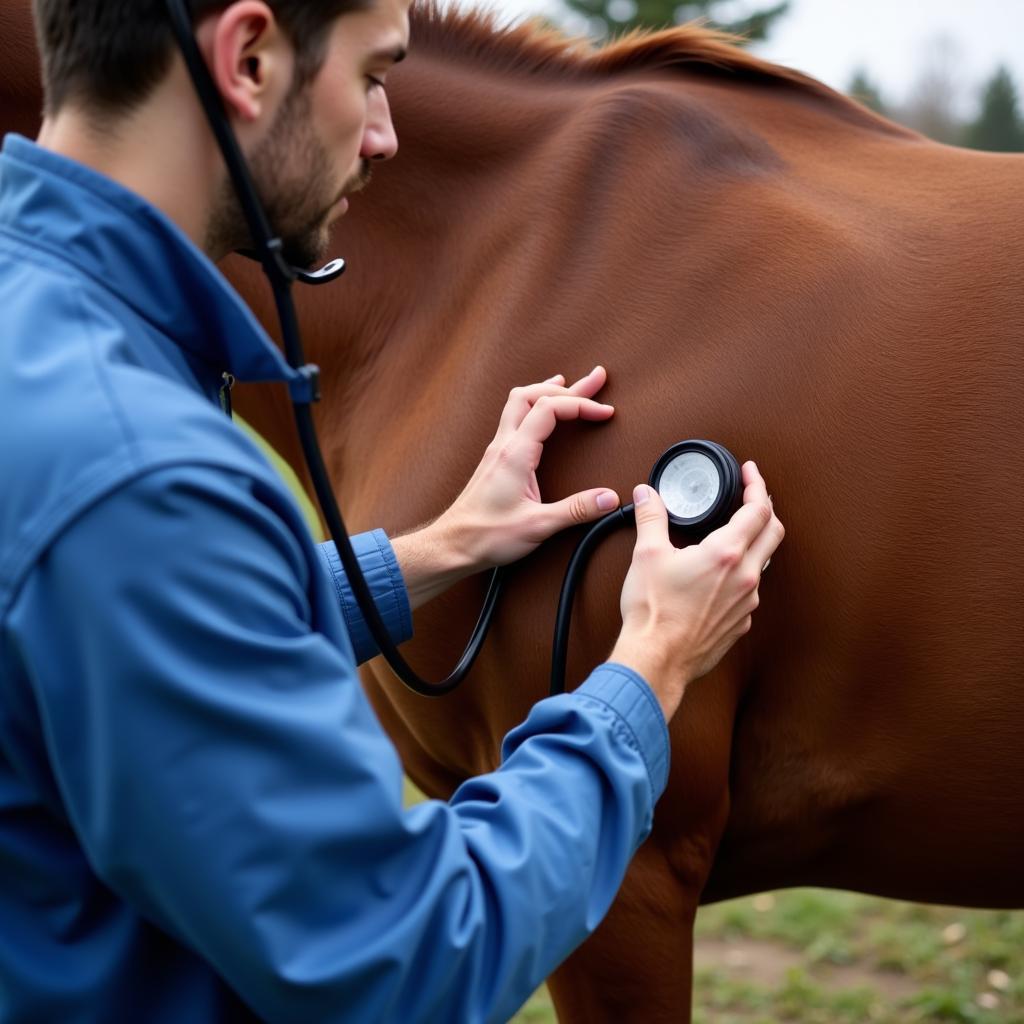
379,139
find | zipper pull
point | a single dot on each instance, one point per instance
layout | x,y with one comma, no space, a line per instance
225,393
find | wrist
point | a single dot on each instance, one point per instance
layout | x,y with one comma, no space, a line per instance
458,545
666,673
432,559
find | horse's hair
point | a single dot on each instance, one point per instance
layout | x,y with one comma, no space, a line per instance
535,48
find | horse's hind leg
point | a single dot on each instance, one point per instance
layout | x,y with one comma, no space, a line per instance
638,965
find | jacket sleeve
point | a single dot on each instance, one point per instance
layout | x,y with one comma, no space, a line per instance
226,775
384,578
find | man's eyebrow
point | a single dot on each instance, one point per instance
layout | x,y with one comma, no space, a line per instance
396,55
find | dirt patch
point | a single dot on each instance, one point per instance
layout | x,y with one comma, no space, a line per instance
766,963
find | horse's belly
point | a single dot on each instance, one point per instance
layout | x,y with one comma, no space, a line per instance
906,786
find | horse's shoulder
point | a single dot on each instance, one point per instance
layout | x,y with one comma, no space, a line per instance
663,119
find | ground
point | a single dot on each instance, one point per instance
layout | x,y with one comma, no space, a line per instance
814,957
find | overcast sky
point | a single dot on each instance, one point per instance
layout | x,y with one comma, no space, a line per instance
891,38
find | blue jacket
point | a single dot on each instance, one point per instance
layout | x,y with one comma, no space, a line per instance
200,816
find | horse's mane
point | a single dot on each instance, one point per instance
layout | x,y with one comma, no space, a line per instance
534,48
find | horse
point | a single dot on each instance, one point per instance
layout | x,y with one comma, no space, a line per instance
763,262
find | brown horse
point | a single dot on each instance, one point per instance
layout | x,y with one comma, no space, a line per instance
759,261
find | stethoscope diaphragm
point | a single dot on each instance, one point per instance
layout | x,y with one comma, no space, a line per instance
700,484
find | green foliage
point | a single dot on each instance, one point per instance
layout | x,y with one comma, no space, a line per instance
898,963
863,89
998,127
613,17
539,1010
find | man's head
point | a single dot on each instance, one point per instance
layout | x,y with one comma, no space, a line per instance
301,80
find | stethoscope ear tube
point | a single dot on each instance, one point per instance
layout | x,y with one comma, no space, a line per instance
270,253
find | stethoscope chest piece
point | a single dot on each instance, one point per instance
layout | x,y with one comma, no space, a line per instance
700,484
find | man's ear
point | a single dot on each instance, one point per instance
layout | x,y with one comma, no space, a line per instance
249,57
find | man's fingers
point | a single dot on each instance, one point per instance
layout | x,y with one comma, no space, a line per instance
765,543
540,421
755,488
521,400
747,523
770,536
752,516
584,507
651,518
587,387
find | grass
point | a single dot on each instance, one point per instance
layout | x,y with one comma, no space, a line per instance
812,956
910,962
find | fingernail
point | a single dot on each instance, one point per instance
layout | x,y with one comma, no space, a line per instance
558,378
607,500
641,493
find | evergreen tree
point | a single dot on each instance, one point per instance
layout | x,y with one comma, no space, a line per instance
614,17
998,127
864,90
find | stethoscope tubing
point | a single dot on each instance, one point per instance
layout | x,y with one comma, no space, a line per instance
281,276
623,516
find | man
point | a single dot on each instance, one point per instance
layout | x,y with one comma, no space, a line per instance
200,818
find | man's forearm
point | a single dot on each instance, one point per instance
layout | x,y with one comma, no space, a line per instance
431,559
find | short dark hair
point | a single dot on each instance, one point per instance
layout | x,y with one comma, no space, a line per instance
111,54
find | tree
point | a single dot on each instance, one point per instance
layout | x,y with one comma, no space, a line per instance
864,90
998,127
931,108
613,17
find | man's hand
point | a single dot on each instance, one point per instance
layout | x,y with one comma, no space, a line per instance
500,516
683,608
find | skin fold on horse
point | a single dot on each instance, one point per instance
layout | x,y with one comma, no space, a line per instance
761,262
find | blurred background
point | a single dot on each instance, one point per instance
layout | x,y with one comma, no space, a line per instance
951,69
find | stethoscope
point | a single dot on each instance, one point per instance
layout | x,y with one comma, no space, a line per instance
699,481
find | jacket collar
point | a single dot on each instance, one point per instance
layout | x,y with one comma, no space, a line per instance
132,249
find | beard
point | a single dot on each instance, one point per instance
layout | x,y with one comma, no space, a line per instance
296,182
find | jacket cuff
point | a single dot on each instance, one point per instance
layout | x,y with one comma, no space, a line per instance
628,694
384,577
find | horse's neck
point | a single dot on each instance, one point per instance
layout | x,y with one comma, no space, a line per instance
505,184
519,223
421,241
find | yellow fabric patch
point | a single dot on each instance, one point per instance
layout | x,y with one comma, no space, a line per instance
287,474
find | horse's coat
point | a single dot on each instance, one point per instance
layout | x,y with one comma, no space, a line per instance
759,261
